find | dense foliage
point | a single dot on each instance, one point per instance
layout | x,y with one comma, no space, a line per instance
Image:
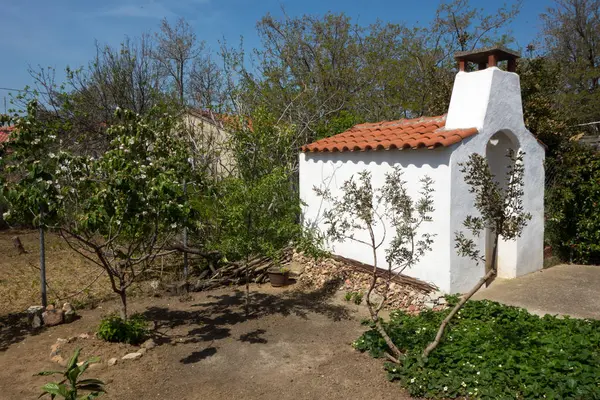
113,328
572,198
120,209
493,351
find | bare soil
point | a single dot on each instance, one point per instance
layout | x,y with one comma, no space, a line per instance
293,345
70,276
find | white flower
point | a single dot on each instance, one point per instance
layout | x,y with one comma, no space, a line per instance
51,155
478,373
412,380
6,215
463,384
445,388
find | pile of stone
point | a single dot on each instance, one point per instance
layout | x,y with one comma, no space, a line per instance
411,298
56,352
50,315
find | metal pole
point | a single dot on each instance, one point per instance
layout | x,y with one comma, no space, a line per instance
185,239
43,263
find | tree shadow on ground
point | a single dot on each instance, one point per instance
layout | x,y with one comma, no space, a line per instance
14,328
223,311
199,355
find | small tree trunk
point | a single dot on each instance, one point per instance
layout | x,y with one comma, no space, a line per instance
438,337
43,265
18,245
375,312
247,287
123,312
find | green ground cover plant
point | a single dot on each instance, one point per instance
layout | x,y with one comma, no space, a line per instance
113,328
492,351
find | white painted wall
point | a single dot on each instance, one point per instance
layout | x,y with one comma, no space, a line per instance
325,169
489,100
501,92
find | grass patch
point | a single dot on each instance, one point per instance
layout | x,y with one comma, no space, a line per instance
493,351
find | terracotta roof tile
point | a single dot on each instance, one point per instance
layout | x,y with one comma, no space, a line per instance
5,133
424,132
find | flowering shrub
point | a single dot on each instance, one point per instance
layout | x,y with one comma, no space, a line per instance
493,351
119,209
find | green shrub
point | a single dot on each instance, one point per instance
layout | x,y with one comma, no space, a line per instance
493,351
69,387
572,203
348,296
114,329
357,298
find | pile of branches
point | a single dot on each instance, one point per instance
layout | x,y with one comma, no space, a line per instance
234,273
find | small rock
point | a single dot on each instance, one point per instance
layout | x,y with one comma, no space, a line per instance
80,363
441,301
70,313
97,366
34,315
112,361
53,317
54,349
132,356
143,350
429,304
61,341
149,344
50,307
59,360
84,336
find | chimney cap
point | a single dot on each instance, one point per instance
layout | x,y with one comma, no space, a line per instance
481,55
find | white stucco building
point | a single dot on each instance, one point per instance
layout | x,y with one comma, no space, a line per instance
485,117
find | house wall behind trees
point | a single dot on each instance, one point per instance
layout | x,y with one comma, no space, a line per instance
331,170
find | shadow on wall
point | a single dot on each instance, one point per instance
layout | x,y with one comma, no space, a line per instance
405,158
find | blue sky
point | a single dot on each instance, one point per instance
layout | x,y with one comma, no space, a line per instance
58,33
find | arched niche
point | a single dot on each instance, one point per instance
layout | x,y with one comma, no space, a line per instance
497,150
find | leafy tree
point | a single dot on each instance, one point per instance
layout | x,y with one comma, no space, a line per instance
572,198
362,208
570,31
540,90
123,77
118,210
259,207
501,214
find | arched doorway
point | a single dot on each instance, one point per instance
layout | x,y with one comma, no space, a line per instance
496,154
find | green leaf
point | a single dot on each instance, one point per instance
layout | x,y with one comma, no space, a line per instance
73,360
46,373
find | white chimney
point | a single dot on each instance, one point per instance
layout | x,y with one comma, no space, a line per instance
485,95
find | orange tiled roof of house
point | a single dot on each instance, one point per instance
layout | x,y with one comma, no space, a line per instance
5,133
424,132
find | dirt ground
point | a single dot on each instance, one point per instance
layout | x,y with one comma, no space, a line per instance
68,274
294,345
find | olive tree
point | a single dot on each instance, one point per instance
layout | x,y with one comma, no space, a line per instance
363,208
501,213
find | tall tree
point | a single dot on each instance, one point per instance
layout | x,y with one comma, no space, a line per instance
176,49
571,29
